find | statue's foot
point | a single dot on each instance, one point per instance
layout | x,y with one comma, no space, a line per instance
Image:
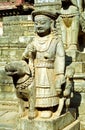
67,103
32,114
24,113
46,114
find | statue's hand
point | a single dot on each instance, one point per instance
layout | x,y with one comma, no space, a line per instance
59,81
69,72
19,68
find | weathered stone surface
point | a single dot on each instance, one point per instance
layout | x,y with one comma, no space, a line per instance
71,56
8,120
79,86
82,125
79,67
51,5
18,26
75,56
81,57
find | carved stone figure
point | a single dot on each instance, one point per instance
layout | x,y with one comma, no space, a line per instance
46,59
23,82
70,23
77,3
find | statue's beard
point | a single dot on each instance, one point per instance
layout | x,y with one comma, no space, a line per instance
42,33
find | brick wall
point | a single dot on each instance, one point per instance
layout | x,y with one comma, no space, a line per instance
17,33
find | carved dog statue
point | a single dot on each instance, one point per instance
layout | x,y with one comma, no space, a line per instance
22,79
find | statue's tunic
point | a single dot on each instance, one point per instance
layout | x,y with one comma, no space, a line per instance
48,62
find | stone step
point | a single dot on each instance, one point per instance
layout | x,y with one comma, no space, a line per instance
9,106
73,126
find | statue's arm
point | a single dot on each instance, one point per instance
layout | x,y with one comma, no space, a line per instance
29,55
59,66
28,52
79,4
60,58
20,68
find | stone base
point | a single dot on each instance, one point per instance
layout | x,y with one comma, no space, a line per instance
63,122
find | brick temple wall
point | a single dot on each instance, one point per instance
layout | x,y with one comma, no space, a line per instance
17,33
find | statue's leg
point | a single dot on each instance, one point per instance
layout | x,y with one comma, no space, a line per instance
74,32
80,5
22,104
32,112
60,107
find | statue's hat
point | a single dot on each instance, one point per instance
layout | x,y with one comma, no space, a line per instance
51,15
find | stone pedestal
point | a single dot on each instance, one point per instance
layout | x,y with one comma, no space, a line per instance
54,123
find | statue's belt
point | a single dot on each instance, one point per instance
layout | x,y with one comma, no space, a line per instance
44,63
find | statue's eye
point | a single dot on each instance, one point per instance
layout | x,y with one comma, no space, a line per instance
36,23
40,22
43,22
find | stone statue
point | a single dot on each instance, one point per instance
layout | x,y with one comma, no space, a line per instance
69,20
22,79
41,83
46,76
47,58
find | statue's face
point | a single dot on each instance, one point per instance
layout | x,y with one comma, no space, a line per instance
42,24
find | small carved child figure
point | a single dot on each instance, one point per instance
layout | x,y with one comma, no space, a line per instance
69,21
46,59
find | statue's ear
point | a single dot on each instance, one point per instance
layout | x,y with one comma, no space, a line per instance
53,23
